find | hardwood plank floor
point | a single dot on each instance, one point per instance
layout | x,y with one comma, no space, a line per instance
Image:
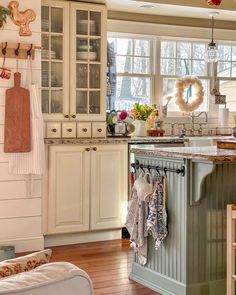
107,263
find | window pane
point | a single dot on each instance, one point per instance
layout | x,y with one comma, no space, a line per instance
124,46
224,52
124,64
228,88
168,48
199,50
234,53
183,67
183,50
130,90
142,47
199,68
233,69
141,65
167,66
224,69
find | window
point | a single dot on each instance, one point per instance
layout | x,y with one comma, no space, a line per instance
226,72
133,72
178,58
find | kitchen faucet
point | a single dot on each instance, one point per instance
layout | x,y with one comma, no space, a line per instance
192,128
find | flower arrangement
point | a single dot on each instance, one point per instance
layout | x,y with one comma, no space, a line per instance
142,111
4,12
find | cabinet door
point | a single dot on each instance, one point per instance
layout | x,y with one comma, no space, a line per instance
68,201
55,63
88,61
108,185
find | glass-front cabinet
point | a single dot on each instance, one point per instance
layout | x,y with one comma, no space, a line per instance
73,61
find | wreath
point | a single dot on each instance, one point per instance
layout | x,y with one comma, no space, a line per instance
185,82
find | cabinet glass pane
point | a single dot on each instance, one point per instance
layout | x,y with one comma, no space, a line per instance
82,49
45,74
56,47
45,19
81,76
56,101
94,76
94,54
56,74
94,102
56,20
82,22
95,24
81,102
45,101
45,44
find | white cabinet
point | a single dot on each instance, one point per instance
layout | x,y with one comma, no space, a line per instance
87,187
68,197
73,61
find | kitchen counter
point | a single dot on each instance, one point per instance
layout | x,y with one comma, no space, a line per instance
164,139
210,153
192,260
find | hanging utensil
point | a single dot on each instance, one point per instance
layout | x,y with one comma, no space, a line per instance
4,72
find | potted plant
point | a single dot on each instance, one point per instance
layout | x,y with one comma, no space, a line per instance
4,12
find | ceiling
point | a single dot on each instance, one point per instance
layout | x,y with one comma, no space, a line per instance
177,8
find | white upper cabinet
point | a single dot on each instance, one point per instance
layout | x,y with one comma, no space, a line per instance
73,61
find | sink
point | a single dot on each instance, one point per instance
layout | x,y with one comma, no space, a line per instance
205,140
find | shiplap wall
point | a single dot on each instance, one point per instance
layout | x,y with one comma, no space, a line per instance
20,197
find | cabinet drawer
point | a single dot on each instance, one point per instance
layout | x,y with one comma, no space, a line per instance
53,130
68,130
84,130
99,129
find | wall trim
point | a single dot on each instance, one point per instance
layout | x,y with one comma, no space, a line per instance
25,244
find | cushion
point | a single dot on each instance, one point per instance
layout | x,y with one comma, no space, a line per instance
24,263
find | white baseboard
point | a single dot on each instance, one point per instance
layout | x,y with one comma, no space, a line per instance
78,238
25,244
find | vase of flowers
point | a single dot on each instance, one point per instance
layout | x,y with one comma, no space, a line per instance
141,114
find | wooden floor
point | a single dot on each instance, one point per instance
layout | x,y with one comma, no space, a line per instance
107,263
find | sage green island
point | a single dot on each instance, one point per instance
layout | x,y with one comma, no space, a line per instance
192,260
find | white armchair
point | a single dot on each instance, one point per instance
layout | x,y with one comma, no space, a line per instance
57,278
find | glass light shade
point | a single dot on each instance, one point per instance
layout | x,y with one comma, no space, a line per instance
212,54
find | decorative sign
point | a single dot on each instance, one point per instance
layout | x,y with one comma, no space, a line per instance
220,99
21,18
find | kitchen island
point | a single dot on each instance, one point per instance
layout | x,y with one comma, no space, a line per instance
192,260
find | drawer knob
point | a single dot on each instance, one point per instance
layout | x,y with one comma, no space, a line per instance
69,130
54,130
99,130
87,149
85,129
66,116
94,149
73,116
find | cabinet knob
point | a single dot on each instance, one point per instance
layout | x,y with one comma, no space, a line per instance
94,149
87,149
85,129
73,116
54,130
99,130
69,130
66,116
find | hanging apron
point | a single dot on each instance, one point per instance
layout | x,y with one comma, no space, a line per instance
32,162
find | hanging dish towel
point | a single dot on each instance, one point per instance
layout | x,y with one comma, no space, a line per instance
157,215
32,162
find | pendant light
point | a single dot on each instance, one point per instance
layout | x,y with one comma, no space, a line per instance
212,54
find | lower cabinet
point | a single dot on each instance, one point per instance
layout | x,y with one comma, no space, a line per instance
87,187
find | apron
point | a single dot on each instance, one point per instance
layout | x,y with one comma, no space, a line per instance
32,162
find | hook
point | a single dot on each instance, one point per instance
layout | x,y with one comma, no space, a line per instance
149,169
134,167
17,50
29,51
4,50
165,171
158,171
141,166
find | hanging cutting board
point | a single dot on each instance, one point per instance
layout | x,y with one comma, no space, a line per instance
17,118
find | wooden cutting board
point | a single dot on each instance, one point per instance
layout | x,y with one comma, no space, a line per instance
226,144
17,118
